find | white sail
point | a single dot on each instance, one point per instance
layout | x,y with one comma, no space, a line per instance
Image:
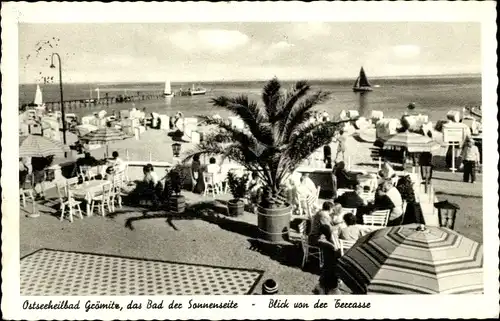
98,90
168,88
38,96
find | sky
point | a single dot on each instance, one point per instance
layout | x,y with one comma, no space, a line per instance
247,51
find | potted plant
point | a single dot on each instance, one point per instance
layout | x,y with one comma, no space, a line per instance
173,188
276,138
239,188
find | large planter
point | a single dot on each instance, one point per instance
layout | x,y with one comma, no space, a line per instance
177,203
236,207
274,223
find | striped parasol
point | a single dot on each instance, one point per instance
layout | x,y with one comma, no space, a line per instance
104,136
413,259
414,142
84,129
40,146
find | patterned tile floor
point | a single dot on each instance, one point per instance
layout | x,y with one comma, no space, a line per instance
52,272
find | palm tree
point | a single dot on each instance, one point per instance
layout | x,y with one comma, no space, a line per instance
277,137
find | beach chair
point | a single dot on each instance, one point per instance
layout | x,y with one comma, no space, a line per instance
102,200
345,246
66,200
210,184
377,218
26,193
307,249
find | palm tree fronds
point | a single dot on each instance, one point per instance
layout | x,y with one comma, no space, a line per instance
271,96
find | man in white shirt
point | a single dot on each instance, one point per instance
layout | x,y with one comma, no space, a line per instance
118,163
307,190
393,194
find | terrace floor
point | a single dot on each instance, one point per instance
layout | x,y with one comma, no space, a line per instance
204,236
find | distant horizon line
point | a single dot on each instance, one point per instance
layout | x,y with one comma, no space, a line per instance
462,75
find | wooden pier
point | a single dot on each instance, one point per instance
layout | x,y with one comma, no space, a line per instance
81,104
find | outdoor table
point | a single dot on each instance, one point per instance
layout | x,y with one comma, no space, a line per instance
87,190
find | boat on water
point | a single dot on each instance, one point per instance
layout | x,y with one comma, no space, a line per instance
362,84
168,90
91,99
193,91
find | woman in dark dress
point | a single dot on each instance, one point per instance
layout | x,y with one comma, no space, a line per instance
413,213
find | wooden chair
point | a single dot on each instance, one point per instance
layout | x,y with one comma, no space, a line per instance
26,193
210,184
66,199
307,249
102,200
377,218
345,246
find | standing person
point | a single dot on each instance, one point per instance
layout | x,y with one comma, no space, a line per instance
470,159
327,156
24,171
341,146
322,236
195,171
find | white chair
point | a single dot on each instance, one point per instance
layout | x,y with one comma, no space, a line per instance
377,218
345,245
368,196
66,199
346,210
102,200
72,182
117,192
26,193
307,249
210,184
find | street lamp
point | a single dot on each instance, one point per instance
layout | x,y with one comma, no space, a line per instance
447,213
63,115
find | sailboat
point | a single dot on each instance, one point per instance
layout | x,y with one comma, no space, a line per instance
361,84
168,90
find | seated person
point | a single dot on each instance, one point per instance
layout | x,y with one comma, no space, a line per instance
352,199
117,163
306,190
152,176
321,225
343,178
388,197
214,169
352,232
337,219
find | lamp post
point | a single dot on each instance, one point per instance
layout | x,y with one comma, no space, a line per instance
447,213
63,114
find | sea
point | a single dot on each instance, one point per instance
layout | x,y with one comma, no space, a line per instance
433,96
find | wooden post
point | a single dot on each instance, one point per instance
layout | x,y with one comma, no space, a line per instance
379,163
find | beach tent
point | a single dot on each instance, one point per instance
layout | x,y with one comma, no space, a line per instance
387,127
352,114
453,115
376,115
102,114
413,259
472,124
